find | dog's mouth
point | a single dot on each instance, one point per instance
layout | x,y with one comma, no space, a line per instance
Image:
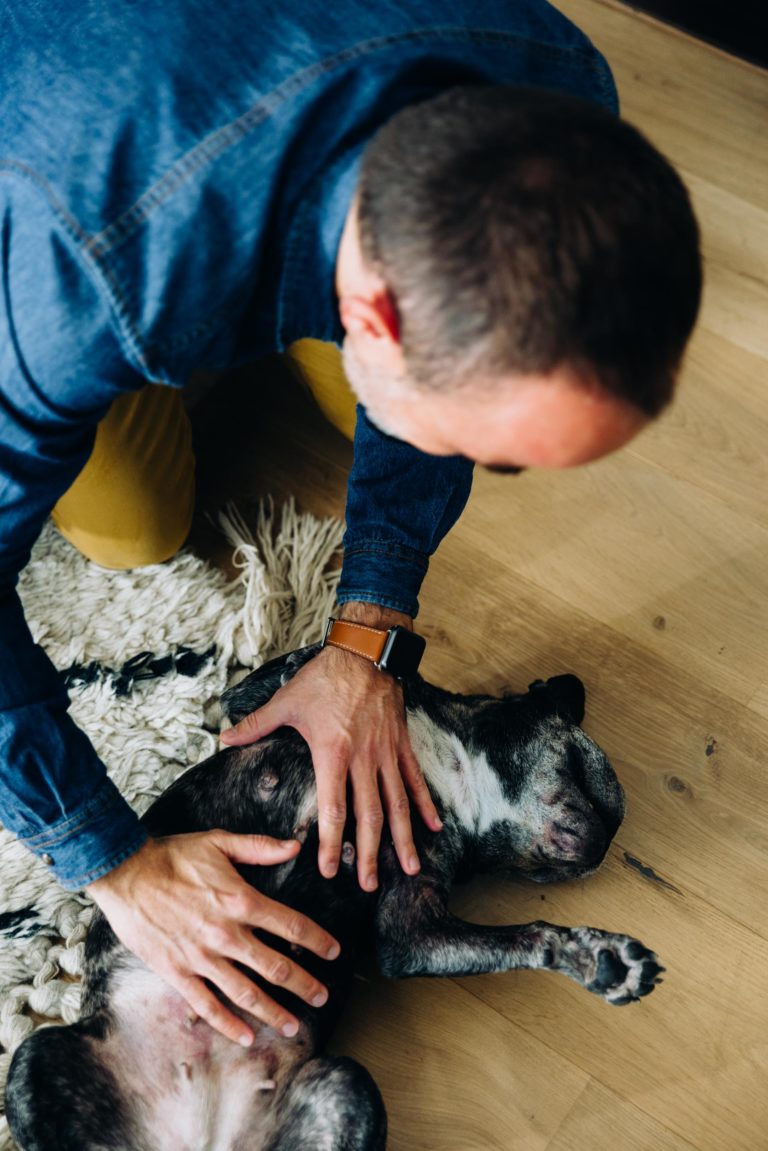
545,868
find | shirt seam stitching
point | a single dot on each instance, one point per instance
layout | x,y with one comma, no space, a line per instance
97,806
107,281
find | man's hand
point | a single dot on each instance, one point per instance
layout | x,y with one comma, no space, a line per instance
353,718
181,906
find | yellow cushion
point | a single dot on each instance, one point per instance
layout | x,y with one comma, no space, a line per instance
318,366
133,501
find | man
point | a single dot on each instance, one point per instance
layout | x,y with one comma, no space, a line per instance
446,188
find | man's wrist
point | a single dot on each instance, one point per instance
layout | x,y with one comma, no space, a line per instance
374,615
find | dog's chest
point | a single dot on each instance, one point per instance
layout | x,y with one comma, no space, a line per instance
466,784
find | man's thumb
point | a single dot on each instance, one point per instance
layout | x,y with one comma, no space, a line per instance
261,722
255,848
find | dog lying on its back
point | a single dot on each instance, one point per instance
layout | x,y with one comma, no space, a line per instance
520,789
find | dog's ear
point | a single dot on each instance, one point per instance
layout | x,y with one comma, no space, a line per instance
562,695
258,688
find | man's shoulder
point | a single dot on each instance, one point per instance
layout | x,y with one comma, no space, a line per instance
102,100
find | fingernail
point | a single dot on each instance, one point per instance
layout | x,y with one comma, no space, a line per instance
371,883
320,999
413,863
290,1028
333,952
246,1039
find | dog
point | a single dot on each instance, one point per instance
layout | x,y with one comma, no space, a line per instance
520,789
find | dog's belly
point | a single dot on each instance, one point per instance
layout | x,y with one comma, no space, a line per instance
186,1086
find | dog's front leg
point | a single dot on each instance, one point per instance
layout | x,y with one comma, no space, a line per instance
416,935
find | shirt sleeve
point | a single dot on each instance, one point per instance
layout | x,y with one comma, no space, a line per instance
61,366
401,502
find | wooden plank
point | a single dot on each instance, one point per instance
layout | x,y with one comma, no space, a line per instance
693,1056
715,433
601,1121
704,110
735,249
454,1074
628,545
759,701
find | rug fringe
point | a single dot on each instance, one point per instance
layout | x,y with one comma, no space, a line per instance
279,602
289,591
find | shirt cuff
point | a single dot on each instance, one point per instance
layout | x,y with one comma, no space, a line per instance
92,841
383,572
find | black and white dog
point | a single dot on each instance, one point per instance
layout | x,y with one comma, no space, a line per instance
520,789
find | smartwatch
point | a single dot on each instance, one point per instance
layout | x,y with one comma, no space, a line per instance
395,649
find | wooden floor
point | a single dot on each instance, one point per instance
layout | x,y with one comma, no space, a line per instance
646,574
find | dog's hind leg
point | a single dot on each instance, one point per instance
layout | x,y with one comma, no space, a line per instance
87,1111
333,1104
416,935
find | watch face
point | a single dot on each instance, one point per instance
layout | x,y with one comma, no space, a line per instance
403,653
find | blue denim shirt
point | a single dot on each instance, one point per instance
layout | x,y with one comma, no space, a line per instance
174,179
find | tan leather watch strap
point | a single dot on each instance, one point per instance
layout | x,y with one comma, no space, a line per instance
357,637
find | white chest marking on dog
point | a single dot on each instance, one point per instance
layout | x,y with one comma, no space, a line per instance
466,784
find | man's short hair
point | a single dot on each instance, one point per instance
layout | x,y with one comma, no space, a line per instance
520,230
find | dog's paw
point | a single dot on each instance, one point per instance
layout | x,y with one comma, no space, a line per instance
618,968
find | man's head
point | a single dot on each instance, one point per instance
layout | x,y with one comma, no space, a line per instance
518,276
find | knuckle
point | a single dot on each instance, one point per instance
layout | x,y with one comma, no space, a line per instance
335,813
247,726
339,748
217,938
278,971
418,782
297,929
236,906
373,818
400,804
212,1012
247,999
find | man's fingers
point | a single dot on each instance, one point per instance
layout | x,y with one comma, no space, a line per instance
291,925
399,816
414,780
248,997
277,969
370,822
331,811
259,723
203,1003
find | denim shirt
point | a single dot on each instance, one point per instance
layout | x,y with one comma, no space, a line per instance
174,180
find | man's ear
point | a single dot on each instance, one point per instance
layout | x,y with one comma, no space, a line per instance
562,695
374,314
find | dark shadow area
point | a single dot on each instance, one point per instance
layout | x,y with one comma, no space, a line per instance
257,433
739,27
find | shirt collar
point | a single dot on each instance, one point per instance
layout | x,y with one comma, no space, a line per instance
308,306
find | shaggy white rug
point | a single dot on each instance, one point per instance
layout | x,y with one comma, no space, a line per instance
144,712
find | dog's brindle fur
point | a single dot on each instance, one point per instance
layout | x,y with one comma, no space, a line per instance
520,788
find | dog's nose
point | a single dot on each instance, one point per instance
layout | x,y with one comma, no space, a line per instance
576,837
